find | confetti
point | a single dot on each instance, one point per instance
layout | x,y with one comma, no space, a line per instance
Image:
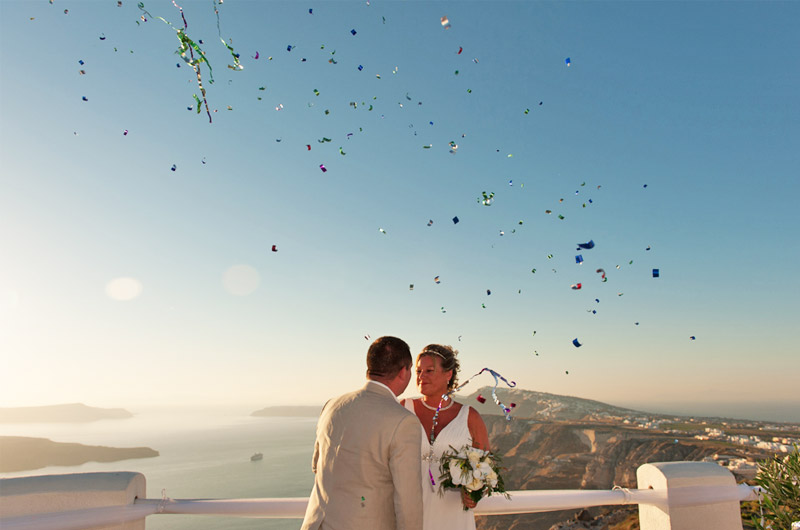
656,273
174,167
586,246
568,62
455,220
579,259
576,287
323,168
436,279
352,32
382,231
576,343
411,287
445,23
602,274
274,248
430,222
481,399
487,199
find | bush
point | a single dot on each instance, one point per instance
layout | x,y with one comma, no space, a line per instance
779,479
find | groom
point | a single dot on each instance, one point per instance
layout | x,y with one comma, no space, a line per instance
367,452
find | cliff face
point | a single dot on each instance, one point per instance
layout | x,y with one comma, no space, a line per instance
567,455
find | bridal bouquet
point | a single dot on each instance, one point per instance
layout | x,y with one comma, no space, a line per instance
472,470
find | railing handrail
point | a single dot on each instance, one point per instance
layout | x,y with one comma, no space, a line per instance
530,501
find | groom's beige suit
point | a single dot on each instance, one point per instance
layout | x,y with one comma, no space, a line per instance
367,464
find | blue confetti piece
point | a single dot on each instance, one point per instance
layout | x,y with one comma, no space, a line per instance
352,32
455,220
360,67
576,343
579,259
656,273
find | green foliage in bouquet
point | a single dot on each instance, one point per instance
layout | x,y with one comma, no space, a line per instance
473,471
779,479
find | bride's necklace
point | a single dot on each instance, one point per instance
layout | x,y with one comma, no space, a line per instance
450,404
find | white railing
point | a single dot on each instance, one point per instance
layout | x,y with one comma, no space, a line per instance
294,508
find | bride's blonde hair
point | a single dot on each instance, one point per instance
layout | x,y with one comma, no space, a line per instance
447,360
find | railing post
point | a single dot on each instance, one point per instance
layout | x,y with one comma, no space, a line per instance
40,495
687,516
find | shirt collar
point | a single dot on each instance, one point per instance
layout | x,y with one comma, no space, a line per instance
372,381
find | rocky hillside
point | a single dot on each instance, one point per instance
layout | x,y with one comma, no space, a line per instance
68,413
543,406
594,452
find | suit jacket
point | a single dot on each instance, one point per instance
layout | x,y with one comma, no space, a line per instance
366,464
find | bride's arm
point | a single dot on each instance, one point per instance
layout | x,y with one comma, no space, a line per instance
477,429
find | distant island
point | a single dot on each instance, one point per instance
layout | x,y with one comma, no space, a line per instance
25,454
289,411
69,413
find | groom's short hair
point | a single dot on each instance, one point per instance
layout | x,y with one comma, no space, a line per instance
386,357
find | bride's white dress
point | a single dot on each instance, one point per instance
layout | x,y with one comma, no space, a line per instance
444,512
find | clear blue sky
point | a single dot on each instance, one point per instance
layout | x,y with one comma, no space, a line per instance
676,127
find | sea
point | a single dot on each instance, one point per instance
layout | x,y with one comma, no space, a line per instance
202,454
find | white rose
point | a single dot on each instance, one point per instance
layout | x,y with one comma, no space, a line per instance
456,473
491,478
474,485
474,458
485,469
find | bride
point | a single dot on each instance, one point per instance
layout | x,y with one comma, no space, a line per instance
456,425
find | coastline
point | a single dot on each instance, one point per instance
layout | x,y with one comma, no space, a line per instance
21,453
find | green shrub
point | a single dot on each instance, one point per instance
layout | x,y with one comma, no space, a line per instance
779,479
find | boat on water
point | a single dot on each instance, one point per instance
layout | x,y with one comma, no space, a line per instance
256,457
